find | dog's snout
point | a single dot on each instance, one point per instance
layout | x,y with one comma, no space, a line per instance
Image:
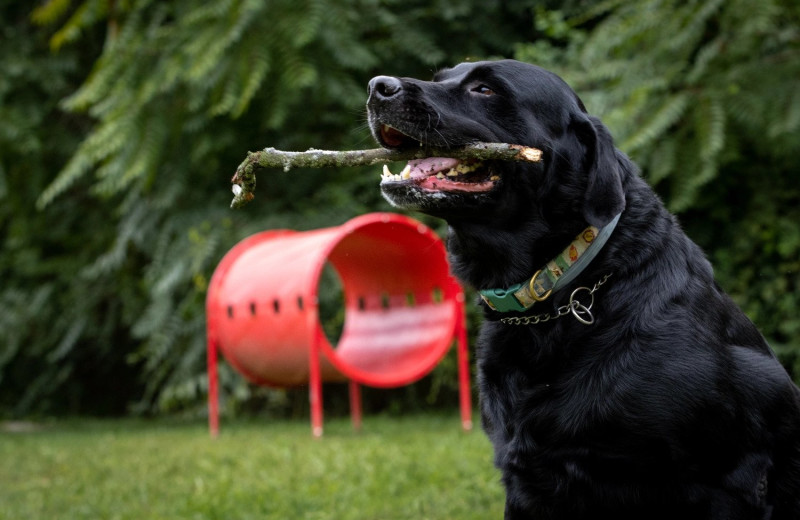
384,87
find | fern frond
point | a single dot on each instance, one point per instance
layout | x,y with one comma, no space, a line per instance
691,22
687,187
663,160
305,30
703,60
420,44
662,119
87,14
710,128
48,13
257,68
76,168
792,121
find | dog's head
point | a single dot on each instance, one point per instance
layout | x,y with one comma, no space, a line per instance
499,101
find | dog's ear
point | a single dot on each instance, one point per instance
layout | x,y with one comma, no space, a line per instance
604,197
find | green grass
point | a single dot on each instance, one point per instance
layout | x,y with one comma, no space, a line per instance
421,467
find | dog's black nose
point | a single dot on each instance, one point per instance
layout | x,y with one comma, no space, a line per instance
383,87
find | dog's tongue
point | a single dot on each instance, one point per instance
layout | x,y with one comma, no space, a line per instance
430,166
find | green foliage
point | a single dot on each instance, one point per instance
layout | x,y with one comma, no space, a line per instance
749,226
704,96
164,100
121,122
682,85
58,342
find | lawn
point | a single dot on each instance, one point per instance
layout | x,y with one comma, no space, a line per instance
420,467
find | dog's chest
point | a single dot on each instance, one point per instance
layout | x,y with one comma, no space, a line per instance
525,382
552,402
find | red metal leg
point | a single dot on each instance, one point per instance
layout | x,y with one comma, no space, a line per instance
213,389
315,385
355,405
465,395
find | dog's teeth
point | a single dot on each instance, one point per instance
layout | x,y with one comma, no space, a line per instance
388,176
494,178
452,173
440,175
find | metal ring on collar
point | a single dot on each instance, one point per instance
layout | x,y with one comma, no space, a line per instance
580,310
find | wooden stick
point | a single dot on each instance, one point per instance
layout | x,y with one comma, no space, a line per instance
244,180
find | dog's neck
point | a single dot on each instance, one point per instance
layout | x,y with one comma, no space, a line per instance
555,274
485,256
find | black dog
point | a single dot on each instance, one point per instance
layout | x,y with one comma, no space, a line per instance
617,379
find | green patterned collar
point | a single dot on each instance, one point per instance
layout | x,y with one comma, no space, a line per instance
557,273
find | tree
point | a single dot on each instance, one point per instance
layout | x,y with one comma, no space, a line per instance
177,94
121,122
50,310
704,96
686,87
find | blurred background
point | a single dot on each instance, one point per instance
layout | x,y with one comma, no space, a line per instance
122,121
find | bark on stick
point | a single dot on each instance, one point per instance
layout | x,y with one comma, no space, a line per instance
244,180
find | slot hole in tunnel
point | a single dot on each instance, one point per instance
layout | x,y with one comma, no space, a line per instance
330,292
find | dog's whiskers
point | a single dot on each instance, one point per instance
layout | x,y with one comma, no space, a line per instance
435,128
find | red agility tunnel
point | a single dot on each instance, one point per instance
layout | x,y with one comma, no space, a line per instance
402,310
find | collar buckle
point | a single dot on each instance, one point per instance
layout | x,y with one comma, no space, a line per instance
559,272
519,297
503,300
537,288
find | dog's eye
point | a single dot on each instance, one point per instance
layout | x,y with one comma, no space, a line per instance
484,90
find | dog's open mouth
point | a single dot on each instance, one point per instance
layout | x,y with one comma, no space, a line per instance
436,173
394,138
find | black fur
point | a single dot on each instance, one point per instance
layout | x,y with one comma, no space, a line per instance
671,405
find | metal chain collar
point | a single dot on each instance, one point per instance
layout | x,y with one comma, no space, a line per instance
581,312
